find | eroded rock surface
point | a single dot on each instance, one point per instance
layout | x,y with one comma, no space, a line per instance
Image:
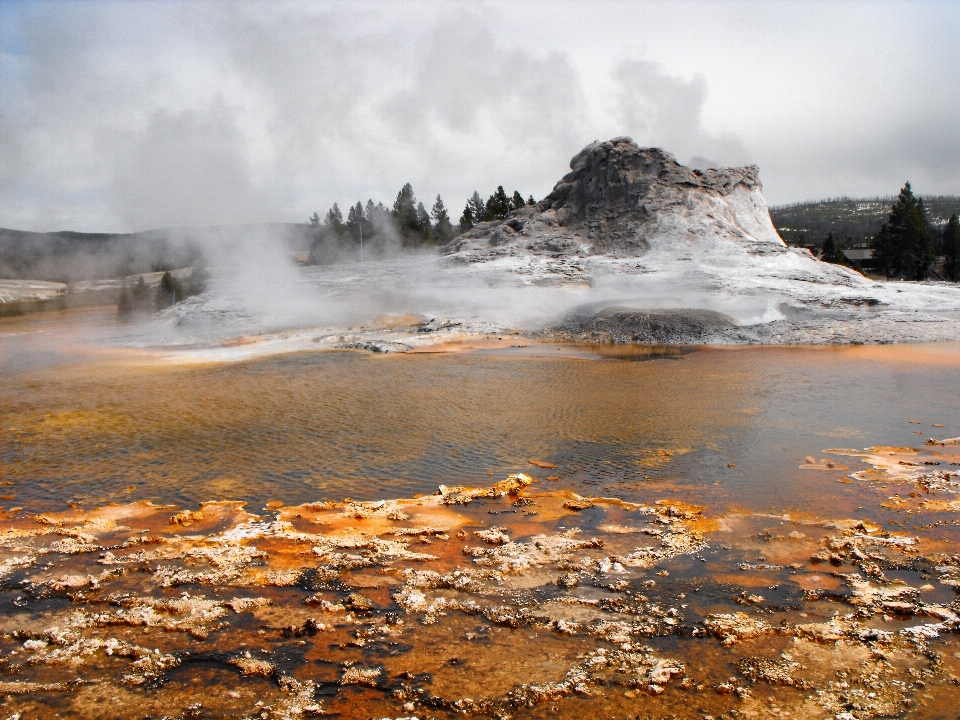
663,327
621,200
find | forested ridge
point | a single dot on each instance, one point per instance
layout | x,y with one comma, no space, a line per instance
908,237
69,257
857,220
375,229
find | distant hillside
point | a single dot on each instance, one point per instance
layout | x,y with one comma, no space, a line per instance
859,220
70,257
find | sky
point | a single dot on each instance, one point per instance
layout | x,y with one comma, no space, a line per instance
125,116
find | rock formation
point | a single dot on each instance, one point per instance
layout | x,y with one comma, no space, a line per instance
629,247
651,237
621,200
662,326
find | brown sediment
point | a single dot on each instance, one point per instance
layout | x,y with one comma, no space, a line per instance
925,472
822,464
238,341
896,354
515,345
472,344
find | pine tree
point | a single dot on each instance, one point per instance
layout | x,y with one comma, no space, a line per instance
377,216
314,220
356,223
902,248
352,214
466,220
517,200
497,205
839,256
406,217
405,206
951,249
423,225
478,208
531,201
832,251
442,226
169,292
334,221
828,249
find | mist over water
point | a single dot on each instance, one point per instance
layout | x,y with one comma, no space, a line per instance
264,297
256,286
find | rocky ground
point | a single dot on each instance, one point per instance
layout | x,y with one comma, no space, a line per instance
513,600
705,327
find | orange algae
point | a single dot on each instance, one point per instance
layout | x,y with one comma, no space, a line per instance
372,548
189,609
433,605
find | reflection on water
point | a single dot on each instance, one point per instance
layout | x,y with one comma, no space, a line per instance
750,557
725,426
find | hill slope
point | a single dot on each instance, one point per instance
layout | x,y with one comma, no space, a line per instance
849,218
69,257
620,200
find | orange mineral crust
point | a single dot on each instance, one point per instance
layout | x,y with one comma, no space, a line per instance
494,601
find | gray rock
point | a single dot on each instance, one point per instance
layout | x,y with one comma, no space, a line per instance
660,326
618,197
374,345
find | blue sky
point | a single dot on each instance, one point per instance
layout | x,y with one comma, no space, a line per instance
128,115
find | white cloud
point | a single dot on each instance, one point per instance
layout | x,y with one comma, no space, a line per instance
138,114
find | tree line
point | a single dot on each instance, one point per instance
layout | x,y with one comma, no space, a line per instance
374,228
139,301
908,246
853,221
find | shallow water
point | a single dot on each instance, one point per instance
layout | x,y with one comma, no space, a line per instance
328,425
724,429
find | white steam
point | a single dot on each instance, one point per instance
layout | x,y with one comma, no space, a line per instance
256,287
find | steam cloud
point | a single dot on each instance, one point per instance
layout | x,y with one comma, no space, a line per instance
137,115
666,110
256,290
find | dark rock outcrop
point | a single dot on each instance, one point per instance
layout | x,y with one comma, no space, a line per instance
674,326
